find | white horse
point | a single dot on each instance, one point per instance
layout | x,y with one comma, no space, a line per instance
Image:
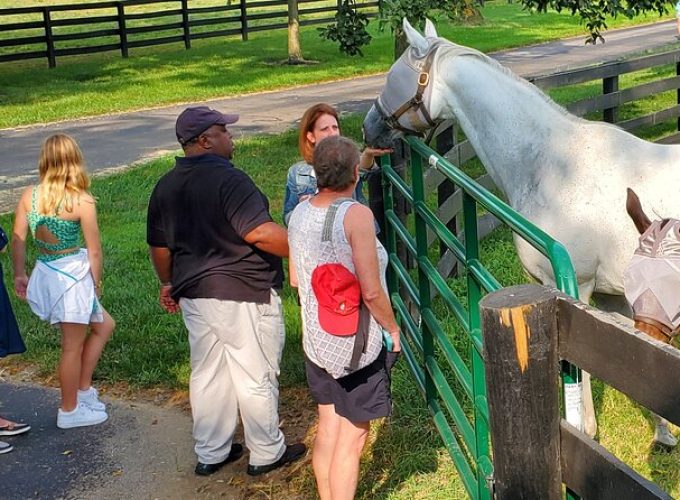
565,174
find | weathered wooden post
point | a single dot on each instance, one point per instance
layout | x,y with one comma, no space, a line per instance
519,325
186,29
49,38
244,19
609,86
122,29
445,141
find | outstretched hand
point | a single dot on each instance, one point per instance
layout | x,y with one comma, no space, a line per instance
377,151
167,302
369,154
20,286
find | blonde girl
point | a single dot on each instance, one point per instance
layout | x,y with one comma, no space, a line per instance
65,284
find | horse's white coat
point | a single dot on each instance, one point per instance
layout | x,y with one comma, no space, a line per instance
565,174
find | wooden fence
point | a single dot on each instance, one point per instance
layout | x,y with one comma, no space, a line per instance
73,29
527,330
612,98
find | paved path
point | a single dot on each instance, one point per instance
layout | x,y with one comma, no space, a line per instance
144,451
139,443
115,141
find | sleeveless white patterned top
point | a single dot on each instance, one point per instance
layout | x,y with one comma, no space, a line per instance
307,252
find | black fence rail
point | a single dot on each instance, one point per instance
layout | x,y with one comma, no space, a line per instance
75,29
613,98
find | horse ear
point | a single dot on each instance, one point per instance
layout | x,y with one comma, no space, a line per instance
415,39
634,209
430,30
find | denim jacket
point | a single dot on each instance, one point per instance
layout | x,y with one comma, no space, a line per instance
302,181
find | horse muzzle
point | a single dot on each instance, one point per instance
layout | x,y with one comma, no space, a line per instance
377,132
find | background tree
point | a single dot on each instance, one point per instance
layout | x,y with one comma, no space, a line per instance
294,48
349,27
594,13
392,12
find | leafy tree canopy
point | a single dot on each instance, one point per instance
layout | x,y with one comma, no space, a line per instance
349,28
593,13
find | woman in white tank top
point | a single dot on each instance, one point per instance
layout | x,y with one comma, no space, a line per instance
346,402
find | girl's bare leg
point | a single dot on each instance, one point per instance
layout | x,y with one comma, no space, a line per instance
100,333
72,342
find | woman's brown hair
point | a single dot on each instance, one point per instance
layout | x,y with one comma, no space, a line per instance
307,125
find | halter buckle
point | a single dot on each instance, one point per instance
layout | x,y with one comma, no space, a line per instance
423,79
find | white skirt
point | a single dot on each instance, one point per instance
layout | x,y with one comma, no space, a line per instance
62,291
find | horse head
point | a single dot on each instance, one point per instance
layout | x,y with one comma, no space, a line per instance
405,105
652,277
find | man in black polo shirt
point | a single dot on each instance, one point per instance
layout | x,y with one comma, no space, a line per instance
217,253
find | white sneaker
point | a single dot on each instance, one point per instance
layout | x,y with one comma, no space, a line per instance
81,416
664,437
90,398
5,447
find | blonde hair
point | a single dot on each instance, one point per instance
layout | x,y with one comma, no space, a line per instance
63,177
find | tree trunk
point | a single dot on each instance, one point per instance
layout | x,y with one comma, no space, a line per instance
294,49
400,43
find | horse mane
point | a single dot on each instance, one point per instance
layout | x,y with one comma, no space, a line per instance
460,50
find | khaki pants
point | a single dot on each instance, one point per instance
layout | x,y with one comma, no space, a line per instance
236,350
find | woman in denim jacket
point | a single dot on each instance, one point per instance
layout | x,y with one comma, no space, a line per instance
318,122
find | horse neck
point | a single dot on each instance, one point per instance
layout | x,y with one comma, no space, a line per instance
509,122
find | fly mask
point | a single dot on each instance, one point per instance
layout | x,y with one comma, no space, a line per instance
410,75
652,278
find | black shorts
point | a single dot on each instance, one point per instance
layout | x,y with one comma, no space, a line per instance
359,397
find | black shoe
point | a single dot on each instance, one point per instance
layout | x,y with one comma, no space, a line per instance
293,452
207,469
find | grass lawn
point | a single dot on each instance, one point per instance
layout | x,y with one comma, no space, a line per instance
406,458
96,84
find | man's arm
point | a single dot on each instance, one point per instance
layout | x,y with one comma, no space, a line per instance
269,237
161,258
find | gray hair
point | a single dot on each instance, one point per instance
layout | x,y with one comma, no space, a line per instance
333,161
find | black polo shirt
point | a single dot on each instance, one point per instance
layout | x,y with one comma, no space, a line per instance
201,210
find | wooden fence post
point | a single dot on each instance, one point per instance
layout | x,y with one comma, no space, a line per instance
185,24
609,86
49,40
522,367
244,20
122,30
445,141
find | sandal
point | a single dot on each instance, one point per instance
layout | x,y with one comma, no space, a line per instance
5,447
12,429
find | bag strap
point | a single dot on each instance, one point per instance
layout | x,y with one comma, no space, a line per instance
327,233
361,337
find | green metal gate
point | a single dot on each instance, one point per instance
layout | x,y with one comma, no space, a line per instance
427,349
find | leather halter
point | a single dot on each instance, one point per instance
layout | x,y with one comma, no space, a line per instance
416,102
655,329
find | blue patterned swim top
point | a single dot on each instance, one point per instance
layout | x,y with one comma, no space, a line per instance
66,231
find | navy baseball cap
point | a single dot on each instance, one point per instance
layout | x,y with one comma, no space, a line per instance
192,122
